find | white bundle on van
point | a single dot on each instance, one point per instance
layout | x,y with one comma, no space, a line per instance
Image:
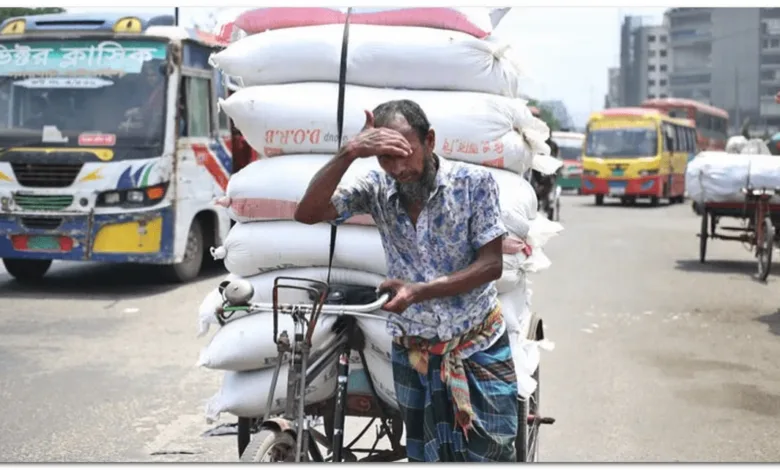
720,176
379,56
245,394
247,342
258,247
263,285
476,128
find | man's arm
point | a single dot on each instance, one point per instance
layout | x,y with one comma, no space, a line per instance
317,204
486,268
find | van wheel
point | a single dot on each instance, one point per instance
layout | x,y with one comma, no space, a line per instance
27,270
189,268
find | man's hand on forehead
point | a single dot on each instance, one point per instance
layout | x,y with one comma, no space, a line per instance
373,141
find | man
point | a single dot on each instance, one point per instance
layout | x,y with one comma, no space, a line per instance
149,96
442,234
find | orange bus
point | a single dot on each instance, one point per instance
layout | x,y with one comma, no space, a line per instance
711,123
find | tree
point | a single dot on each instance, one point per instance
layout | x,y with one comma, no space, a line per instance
6,13
546,115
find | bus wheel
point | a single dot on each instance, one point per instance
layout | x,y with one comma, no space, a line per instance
599,199
654,201
27,270
189,268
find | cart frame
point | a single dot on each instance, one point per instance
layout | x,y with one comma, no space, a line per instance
761,215
291,436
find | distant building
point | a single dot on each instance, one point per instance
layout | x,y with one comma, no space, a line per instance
730,58
644,62
612,98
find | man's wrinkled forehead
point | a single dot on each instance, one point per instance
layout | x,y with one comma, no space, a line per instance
399,123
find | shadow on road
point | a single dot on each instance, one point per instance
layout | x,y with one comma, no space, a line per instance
101,281
721,266
618,205
771,320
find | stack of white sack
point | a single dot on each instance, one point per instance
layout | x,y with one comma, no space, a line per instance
720,176
739,144
467,87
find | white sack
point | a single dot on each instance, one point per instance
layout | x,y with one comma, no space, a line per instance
247,343
378,56
720,176
476,21
258,247
244,394
476,128
269,189
263,286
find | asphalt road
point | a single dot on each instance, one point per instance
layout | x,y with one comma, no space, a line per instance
657,357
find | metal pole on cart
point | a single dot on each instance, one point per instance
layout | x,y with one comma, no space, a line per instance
343,366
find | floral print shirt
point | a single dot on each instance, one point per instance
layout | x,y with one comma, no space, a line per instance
461,215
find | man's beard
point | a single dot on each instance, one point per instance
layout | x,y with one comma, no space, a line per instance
415,192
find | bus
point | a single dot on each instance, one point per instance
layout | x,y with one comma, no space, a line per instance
712,123
112,148
636,153
570,151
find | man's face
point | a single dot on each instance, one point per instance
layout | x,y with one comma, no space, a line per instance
408,169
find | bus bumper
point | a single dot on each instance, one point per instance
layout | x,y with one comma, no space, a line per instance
649,186
130,237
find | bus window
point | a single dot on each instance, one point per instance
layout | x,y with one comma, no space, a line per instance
197,107
704,123
668,133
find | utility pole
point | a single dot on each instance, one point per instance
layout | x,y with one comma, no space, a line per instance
737,113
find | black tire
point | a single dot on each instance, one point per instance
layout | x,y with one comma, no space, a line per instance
527,440
521,440
27,270
654,201
765,251
703,235
599,199
270,446
189,268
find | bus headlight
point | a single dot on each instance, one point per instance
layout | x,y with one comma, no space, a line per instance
148,196
14,27
648,172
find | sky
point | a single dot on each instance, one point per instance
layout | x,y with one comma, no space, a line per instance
565,51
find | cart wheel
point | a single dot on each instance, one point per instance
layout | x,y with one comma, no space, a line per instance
765,250
527,440
703,234
270,446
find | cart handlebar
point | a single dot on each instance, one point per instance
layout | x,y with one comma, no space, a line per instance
760,191
354,310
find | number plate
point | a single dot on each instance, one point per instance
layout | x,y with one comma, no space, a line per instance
43,243
617,191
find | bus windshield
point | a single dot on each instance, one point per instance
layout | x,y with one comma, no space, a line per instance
569,152
622,142
82,93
